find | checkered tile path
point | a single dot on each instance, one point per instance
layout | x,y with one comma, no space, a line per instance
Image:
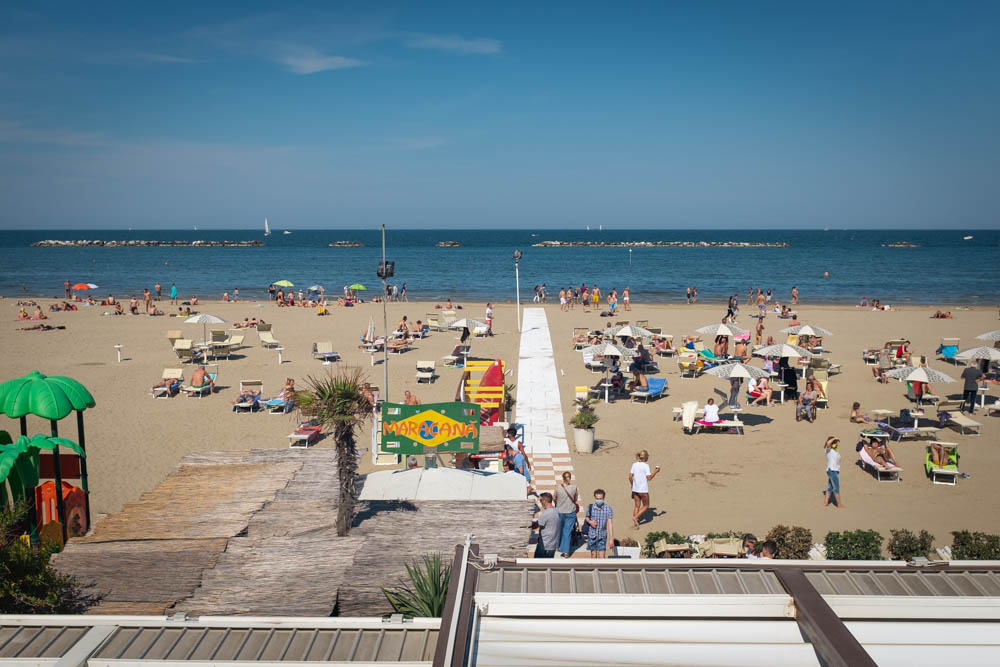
547,470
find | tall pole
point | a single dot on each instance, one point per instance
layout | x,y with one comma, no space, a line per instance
517,287
60,503
83,466
385,329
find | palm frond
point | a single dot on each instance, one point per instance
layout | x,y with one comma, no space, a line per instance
425,593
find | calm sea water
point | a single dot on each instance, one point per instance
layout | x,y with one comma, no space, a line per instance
945,269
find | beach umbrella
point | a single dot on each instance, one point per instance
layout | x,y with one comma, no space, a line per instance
918,374
204,319
370,333
983,352
989,335
807,330
737,370
83,286
357,286
607,350
315,288
469,322
783,350
629,330
284,283
722,330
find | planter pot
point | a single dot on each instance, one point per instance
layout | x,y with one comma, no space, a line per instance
584,439
509,414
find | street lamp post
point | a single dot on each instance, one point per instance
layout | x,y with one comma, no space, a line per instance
517,286
385,271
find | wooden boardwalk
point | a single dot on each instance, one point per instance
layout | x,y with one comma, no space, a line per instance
253,533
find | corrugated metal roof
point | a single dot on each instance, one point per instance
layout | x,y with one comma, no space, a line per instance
911,582
270,644
41,641
649,581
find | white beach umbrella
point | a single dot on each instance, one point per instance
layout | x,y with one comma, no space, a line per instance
204,319
991,353
628,330
919,374
370,333
989,335
467,322
807,330
783,350
737,370
607,350
722,330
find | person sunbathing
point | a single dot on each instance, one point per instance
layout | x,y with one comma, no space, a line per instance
711,413
201,378
171,385
640,382
880,453
806,405
741,350
941,454
22,315
39,315
759,389
663,344
153,311
366,391
194,300
246,397
857,416
410,399
119,310
942,315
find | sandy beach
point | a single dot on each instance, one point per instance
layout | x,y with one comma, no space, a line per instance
710,482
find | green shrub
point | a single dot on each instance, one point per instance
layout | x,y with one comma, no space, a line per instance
854,545
738,534
905,545
794,542
975,546
657,535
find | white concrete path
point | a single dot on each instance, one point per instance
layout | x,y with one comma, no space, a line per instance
538,405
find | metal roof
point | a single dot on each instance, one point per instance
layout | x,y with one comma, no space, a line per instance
903,582
38,641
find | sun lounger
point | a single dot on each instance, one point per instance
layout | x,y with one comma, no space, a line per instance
657,386
433,322
212,370
183,348
908,432
218,335
267,339
177,377
919,399
235,341
723,425
305,435
687,363
173,335
277,406
580,337
324,350
882,473
948,474
963,423
251,405
593,364
948,349
399,346
678,413
425,371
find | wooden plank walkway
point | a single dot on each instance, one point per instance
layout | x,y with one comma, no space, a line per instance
253,533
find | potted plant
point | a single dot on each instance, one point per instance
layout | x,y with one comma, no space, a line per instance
509,401
583,425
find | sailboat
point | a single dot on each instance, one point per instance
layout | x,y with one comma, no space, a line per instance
967,238
286,232
267,228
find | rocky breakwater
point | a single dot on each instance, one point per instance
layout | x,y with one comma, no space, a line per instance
449,244
346,244
657,244
96,243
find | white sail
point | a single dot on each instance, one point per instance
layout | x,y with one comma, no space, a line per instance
267,228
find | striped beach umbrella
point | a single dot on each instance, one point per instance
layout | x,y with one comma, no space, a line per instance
783,350
918,374
466,322
629,330
807,330
989,335
737,370
720,329
607,350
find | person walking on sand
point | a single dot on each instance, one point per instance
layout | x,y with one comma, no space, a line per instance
600,533
627,298
689,295
639,476
489,315
832,472
66,285
159,290
567,504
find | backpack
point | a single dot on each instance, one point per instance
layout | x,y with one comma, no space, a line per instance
585,530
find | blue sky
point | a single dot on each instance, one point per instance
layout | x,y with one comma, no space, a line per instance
674,115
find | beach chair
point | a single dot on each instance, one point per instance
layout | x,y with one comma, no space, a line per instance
252,405
177,377
723,426
947,475
919,398
948,349
219,345
592,364
267,338
666,352
689,409
235,341
305,435
425,371
277,406
212,370
433,322
687,363
399,346
963,423
324,350
580,335
448,316
173,335
218,335
657,387
183,348
453,359
642,324
882,473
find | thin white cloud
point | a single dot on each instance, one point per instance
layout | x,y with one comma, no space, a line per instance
16,132
163,58
307,60
454,43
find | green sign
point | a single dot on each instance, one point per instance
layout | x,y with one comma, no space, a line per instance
448,427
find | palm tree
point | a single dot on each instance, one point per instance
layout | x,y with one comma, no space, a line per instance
340,403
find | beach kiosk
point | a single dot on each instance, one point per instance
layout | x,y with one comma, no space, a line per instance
429,429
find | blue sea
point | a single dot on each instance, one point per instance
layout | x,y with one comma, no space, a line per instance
944,269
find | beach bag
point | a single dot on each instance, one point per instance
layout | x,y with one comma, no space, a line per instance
585,530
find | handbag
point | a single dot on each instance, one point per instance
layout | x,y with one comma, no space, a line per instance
585,530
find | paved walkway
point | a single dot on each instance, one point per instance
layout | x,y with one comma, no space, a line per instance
538,405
